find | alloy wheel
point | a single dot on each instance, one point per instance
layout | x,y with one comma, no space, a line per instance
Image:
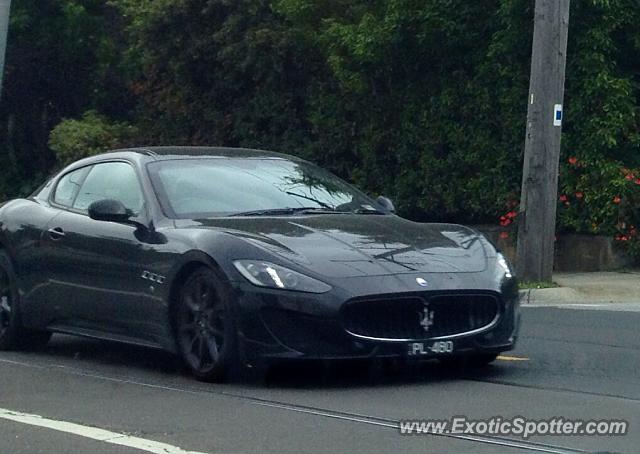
201,323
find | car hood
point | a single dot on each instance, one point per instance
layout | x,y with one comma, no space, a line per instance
344,245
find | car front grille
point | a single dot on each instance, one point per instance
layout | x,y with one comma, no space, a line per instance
420,317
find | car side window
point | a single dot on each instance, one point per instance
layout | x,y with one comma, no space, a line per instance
111,180
68,187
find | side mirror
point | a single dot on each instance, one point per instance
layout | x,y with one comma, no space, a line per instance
109,210
386,203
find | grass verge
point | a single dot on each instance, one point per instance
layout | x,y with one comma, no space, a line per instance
538,284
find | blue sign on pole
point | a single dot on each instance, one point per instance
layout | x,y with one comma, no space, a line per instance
557,115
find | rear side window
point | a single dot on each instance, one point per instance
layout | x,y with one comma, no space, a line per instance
68,187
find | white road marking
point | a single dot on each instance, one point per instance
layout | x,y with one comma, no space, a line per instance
93,433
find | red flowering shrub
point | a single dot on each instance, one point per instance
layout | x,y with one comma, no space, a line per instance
595,196
600,197
507,220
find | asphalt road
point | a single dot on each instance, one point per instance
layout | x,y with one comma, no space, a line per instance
570,362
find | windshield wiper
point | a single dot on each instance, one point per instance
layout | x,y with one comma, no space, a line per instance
286,211
306,197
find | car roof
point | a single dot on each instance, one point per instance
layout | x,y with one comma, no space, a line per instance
141,154
172,152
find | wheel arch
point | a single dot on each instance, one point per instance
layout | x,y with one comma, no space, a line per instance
191,262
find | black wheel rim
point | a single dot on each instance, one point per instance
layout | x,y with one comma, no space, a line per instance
6,303
201,324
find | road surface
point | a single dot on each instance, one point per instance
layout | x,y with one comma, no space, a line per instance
81,395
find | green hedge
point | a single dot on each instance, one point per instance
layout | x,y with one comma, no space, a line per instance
421,100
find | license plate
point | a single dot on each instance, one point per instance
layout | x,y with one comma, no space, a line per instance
430,348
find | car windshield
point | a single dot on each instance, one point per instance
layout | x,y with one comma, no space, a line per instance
193,188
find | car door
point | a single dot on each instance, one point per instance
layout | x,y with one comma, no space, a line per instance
97,265
26,225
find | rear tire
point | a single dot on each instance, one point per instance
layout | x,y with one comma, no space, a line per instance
13,335
204,327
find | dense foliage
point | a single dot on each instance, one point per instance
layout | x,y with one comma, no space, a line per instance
422,100
60,62
75,139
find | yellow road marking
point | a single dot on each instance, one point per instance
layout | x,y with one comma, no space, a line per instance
512,358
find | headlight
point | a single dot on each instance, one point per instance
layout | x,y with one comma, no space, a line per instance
265,274
504,265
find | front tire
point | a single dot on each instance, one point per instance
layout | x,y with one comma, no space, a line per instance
13,335
205,330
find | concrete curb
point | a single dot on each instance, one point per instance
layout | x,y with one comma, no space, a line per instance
621,287
567,296
556,295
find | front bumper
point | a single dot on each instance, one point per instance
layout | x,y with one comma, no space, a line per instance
278,325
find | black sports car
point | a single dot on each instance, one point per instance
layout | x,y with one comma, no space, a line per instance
233,258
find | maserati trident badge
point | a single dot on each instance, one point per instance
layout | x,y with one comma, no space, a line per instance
426,318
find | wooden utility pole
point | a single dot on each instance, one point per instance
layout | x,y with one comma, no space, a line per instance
537,223
5,8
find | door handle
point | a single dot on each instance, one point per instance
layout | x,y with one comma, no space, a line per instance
56,234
